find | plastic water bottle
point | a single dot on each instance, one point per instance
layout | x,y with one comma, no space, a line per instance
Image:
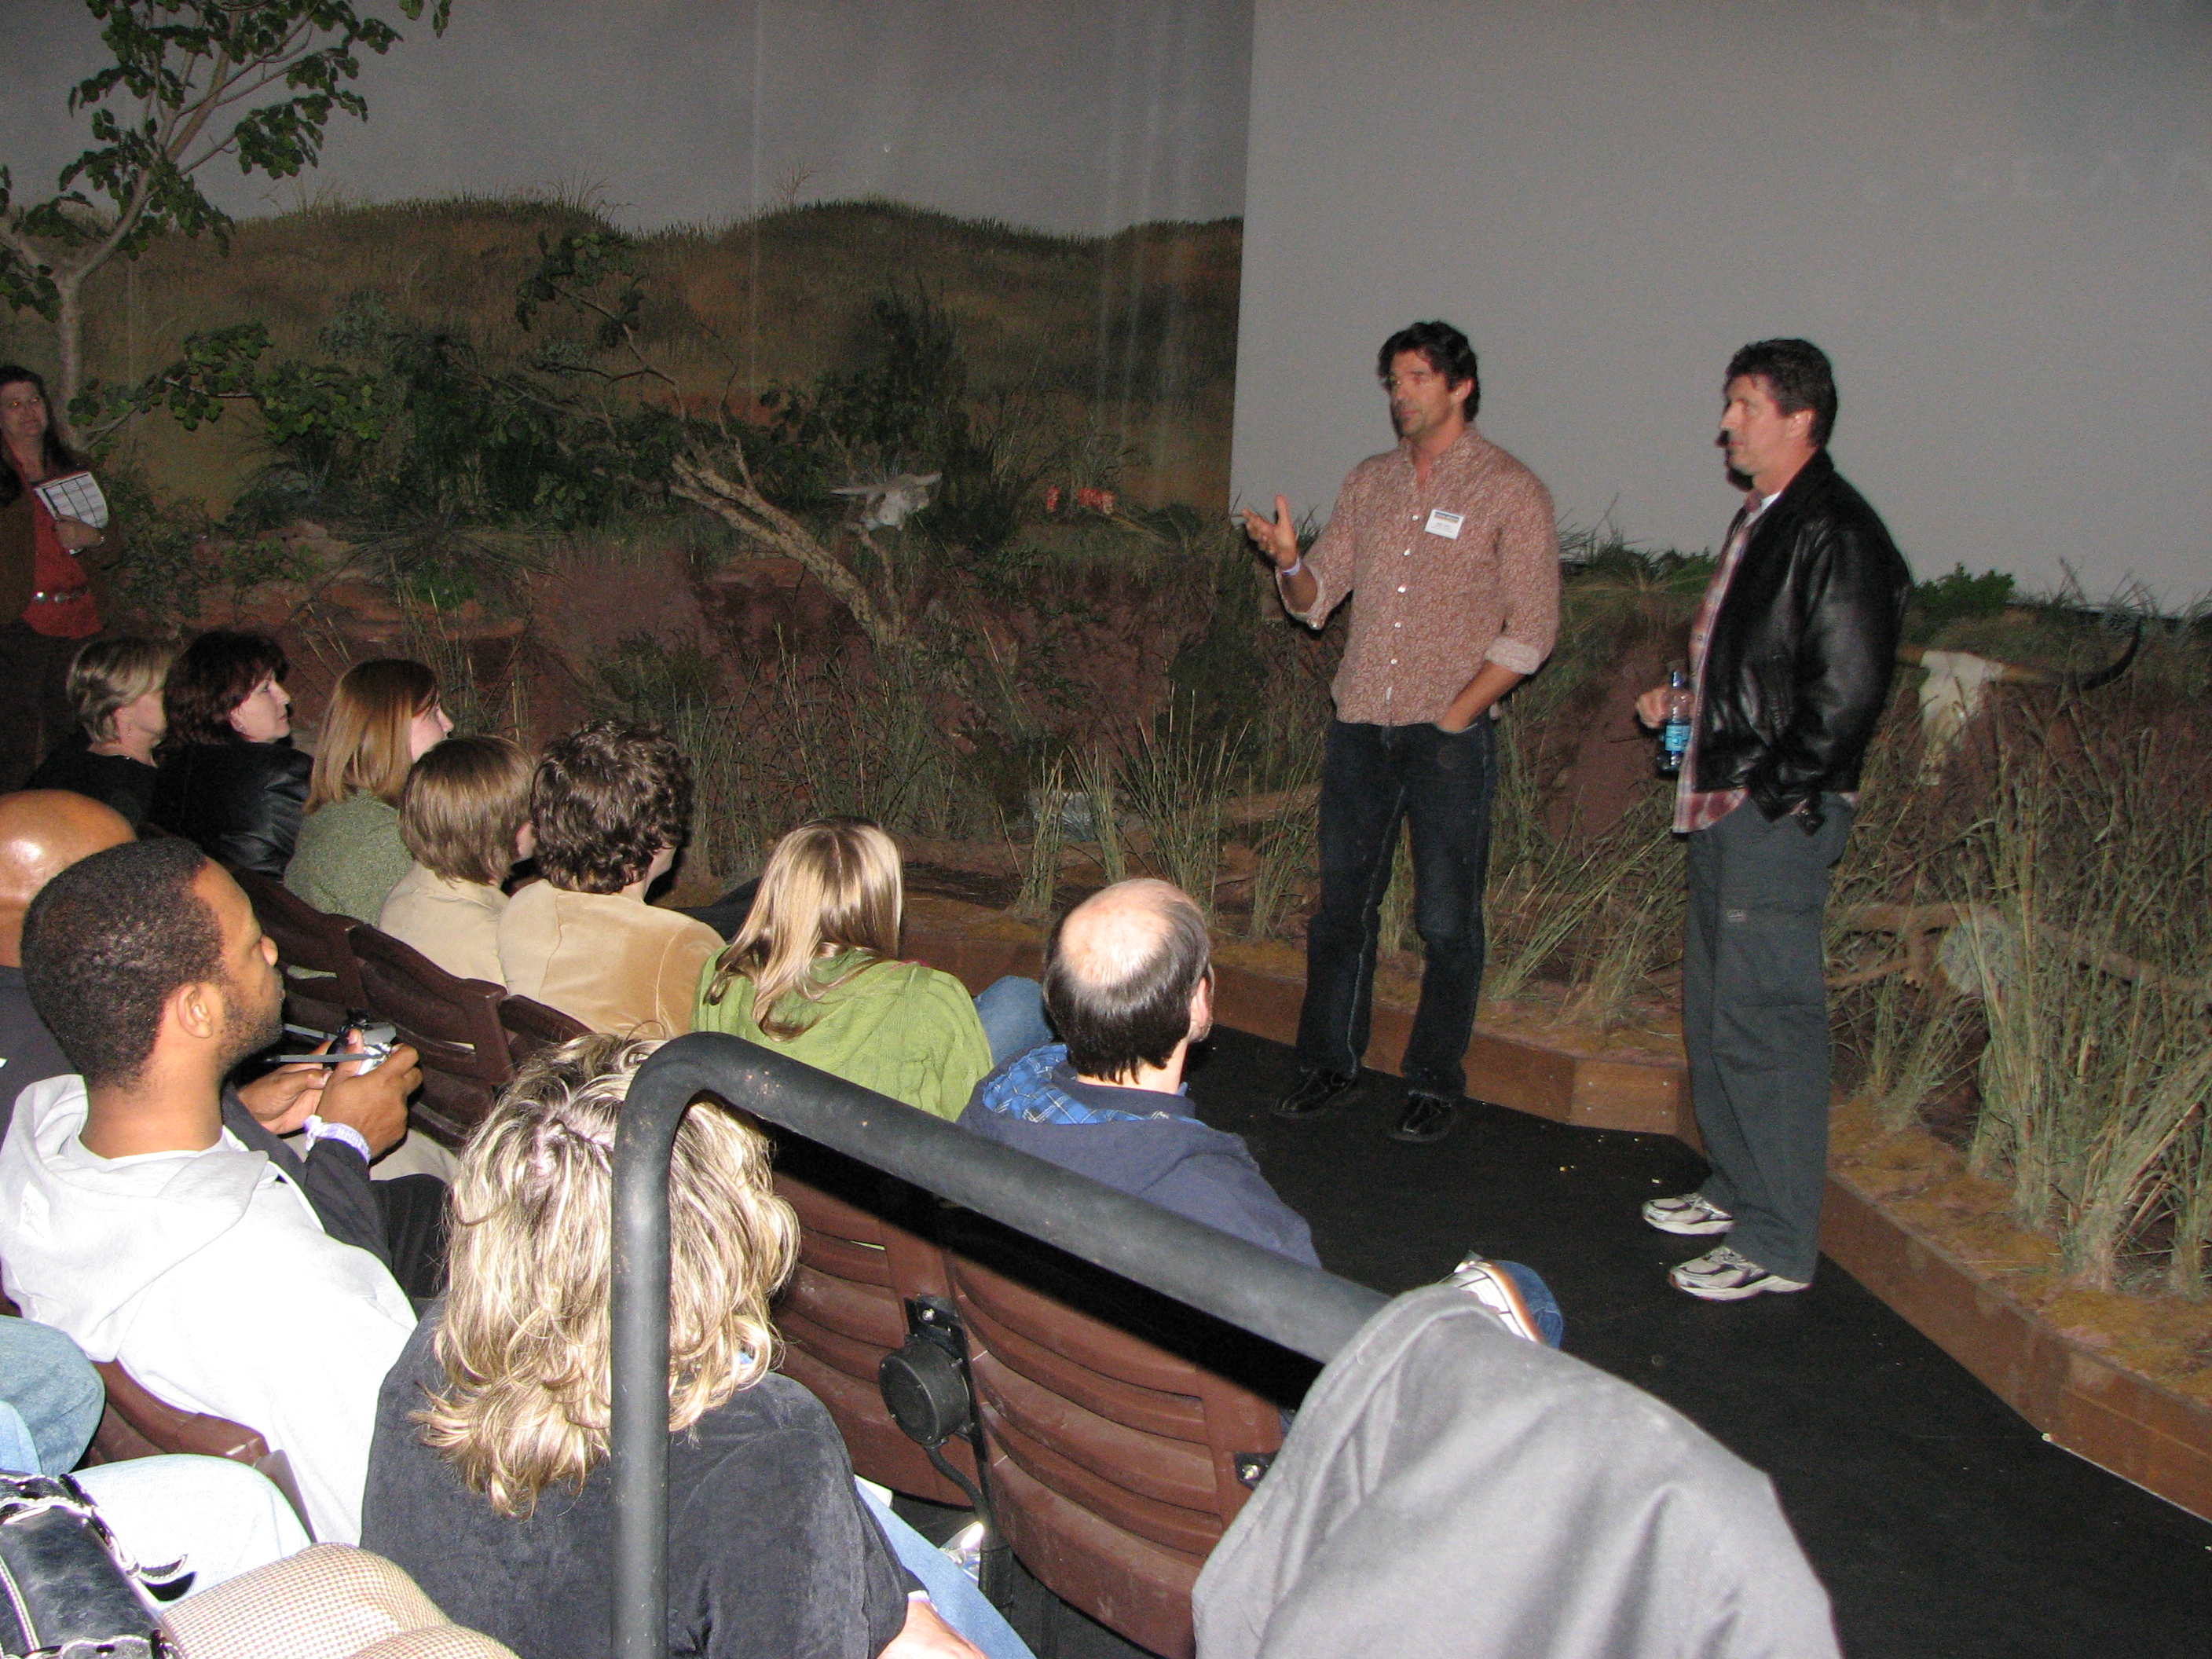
1674,734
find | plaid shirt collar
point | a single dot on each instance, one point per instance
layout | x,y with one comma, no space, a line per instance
1040,1088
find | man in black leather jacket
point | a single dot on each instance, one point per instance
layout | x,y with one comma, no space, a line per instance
1792,654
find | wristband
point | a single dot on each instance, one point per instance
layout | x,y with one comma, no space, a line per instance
1296,565
344,1133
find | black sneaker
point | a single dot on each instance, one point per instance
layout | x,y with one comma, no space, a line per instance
1316,1091
1426,1117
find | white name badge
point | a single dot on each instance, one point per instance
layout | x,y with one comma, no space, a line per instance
1444,524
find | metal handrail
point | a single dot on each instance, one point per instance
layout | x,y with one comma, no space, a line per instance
1300,1308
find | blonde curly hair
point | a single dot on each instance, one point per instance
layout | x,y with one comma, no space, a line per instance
524,1341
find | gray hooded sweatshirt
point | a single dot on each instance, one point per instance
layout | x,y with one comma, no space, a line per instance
1450,1489
208,1275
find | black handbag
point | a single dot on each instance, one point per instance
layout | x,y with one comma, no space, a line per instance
66,1590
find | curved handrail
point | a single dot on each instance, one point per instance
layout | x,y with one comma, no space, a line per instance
1300,1308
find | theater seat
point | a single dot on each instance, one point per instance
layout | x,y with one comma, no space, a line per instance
1113,1466
843,1310
136,1423
453,1024
320,981
531,1027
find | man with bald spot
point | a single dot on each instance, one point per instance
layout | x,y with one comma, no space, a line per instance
42,833
1128,982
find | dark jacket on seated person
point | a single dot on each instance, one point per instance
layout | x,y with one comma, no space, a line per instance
1140,1141
240,802
115,781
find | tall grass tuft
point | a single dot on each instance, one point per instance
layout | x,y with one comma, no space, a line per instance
1176,781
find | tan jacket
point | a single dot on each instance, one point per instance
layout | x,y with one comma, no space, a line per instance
455,923
613,963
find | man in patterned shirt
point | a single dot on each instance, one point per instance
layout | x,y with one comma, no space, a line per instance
1792,653
1451,545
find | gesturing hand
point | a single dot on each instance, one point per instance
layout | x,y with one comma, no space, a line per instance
1276,538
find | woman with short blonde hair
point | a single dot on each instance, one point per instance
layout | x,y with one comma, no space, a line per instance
115,690
384,716
465,819
487,1479
814,972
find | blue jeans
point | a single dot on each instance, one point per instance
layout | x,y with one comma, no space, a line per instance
958,1603
1543,1306
1374,778
1012,1012
54,1389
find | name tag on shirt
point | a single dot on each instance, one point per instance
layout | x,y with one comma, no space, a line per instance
1444,524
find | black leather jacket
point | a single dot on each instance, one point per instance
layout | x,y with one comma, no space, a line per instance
242,802
1798,667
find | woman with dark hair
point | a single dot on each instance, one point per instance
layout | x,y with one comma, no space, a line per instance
229,779
47,567
384,716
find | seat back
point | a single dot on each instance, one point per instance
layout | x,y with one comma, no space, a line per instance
843,1310
137,1424
1114,1464
531,1027
453,1024
320,981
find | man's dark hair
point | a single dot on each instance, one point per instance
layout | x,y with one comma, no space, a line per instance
105,944
1111,1029
58,456
606,798
1797,376
1445,349
210,678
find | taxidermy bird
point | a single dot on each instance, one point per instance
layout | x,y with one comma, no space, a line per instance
891,502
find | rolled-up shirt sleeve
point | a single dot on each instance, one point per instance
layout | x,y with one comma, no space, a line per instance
1529,579
1330,560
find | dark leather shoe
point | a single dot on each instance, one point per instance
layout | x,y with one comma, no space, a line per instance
1426,1117
1315,1093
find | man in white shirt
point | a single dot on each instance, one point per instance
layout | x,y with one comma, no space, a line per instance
131,1220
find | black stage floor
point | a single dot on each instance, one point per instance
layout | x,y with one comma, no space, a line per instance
1942,1524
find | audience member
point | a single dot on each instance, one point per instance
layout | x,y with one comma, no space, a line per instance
465,819
227,778
1128,984
133,1219
215,1519
42,833
115,686
489,1481
341,1123
612,804
384,716
49,566
814,972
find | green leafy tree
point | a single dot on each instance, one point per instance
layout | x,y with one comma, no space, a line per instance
192,81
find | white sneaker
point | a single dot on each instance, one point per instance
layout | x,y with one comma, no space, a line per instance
1493,1286
1722,1276
1690,1215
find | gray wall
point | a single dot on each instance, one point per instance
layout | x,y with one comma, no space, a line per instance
1994,214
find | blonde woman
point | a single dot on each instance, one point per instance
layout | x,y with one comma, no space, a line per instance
384,716
814,973
115,691
487,1479
465,819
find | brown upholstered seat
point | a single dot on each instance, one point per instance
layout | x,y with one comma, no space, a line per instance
453,1024
532,1028
1114,1465
320,981
843,1310
136,1423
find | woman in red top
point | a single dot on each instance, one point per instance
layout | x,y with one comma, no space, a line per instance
45,584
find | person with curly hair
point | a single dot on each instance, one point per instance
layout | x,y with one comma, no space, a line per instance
612,804
488,1478
227,777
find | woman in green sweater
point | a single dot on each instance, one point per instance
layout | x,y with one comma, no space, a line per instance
814,972
383,717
